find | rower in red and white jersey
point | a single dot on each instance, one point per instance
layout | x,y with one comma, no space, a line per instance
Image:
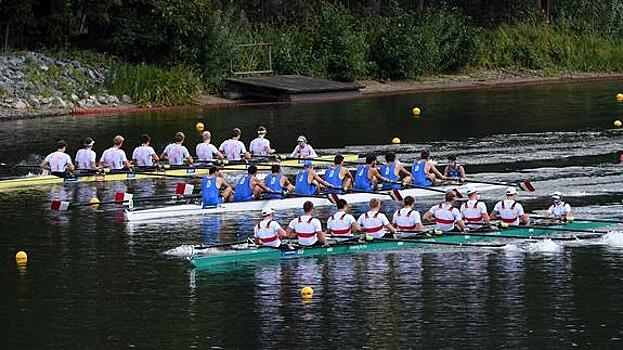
114,157
306,227
268,232
303,149
407,218
176,152
144,155
234,149
559,209
509,211
205,150
447,217
374,222
85,157
260,146
342,223
474,211
58,162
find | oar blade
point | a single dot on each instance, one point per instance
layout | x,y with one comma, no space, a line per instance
396,195
121,197
526,185
184,189
333,198
457,193
58,205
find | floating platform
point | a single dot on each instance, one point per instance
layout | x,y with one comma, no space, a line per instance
288,88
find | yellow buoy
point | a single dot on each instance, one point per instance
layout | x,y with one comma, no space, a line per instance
199,126
620,97
617,123
395,140
416,111
95,202
21,257
307,292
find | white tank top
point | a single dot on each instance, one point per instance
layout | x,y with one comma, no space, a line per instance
266,233
205,151
445,216
472,210
258,146
340,223
114,158
560,211
143,155
406,219
84,158
373,222
509,211
306,228
232,149
176,153
58,161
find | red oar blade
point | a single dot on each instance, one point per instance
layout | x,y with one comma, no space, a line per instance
457,193
57,205
526,186
121,197
184,189
333,198
396,195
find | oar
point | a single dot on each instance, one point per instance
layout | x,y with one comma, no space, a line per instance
559,229
430,240
456,191
528,237
320,160
609,221
525,185
220,245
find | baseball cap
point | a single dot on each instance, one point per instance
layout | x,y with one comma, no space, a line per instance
307,164
267,211
511,191
471,190
88,142
261,130
557,194
301,138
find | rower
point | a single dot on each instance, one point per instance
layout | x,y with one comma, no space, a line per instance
214,190
447,217
407,218
394,172
338,176
233,148
559,209
454,170
306,227
303,149
367,176
474,211
85,157
205,150
58,162
308,182
374,222
114,157
260,146
176,152
341,223
277,182
509,211
144,155
249,187
268,232
424,171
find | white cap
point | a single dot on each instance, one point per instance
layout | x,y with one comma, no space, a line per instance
471,190
267,211
557,194
511,191
301,138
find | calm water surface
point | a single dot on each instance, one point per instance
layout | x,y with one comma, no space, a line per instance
93,281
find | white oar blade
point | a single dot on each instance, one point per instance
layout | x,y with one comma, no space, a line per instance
184,189
122,197
57,205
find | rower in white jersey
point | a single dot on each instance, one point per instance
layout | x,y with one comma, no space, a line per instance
268,232
375,223
176,152
207,151
559,210
407,218
509,211
306,227
260,146
341,225
144,155
58,162
234,149
114,157
85,157
474,211
447,217
303,149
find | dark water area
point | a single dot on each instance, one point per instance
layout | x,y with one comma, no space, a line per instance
94,281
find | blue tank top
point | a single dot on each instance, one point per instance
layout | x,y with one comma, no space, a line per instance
332,176
302,184
210,195
419,174
243,191
362,182
389,171
456,173
273,182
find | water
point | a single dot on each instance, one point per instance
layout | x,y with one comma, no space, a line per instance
93,281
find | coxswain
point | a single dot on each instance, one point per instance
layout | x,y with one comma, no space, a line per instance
424,171
234,149
306,227
341,223
338,176
114,157
207,151
367,176
308,182
303,149
260,146
447,217
277,183
559,210
214,190
407,218
58,162
394,172
249,186
474,211
375,223
268,232
86,157
176,152
454,170
144,155
509,211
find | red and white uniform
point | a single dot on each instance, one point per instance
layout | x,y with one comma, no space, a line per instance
306,227
265,233
143,155
373,222
559,210
58,161
406,219
176,153
472,211
509,211
85,158
340,223
445,216
303,152
259,146
205,151
114,158
232,149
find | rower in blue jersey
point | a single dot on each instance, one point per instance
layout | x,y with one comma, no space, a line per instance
338,176
249,187
214,189
454,170
395,172
308,182
424,171
277,182
367,176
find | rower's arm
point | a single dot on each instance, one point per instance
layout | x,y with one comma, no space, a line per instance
460,224
524,219
435,171
390,228
218,154
281,233
419,227
70,166
381,178
462,171
290,232
346,174
261,185
45,165
494,215
485,217
404,172
320,180
355,227
428,216
296,152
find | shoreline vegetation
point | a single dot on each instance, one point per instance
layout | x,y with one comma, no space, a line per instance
177,54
